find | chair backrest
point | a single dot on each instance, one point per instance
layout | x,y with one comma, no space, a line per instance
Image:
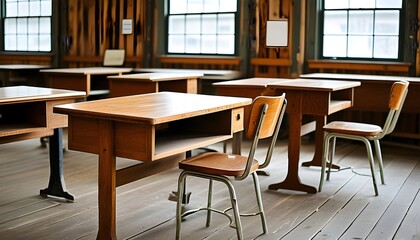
266,114
114,58
396,101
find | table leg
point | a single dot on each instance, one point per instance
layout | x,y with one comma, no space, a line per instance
236,143
319,138
106,182
292,181
56,185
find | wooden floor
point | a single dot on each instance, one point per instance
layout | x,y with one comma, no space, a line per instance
345,209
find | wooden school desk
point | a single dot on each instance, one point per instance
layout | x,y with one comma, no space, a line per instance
301,95
378,102
209,76
29,73
139,83
26,113
156,128
91,80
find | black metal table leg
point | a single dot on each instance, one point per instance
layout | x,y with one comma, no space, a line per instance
56,185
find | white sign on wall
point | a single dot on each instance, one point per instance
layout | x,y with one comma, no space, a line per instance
127,26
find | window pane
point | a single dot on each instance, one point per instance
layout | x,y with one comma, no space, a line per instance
193,24
227,6
209,23
45,43
226,24
45,25
360,46
361,22
33,25
336,4
387,22
192,44
10,26
208,44
362,3
33,43
22,42
211,6
10,43
335,46
35,8
195,6
11,9
388,3
22,25
226,44
386,47
176,24
176,43
23,8
335,22
179,6
46,8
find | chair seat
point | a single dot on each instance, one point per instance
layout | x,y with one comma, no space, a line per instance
218,164
360,129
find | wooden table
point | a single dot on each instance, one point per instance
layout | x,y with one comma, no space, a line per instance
29,73
305,97
26,113
91,80
373,96
156,128
210,76
140,83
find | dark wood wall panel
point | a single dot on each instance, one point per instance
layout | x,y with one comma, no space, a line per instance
96,25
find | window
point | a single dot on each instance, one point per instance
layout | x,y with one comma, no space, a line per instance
361,29
27,25
202,26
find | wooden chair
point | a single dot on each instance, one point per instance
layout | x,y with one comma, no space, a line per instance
264,122
365,133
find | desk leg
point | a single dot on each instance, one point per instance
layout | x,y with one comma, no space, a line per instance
319,138
292,181
237,142
107,182
56,185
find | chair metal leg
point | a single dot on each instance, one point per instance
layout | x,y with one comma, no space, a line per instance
209,198
378,154
235,208
325,154
259,201
371,163
181,185
334,140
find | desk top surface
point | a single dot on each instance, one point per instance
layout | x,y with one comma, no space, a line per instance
88,70
22,67
293,84
314,85
358,77
250,82
153,108
17,94
207,73
156,77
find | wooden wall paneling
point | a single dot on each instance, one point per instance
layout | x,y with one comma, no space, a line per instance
130,37
139,25
72,26
91,28
418,39
122,43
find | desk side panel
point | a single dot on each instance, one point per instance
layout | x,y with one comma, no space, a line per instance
83,134
134,140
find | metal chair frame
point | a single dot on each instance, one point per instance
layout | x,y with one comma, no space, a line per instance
388,127
235,221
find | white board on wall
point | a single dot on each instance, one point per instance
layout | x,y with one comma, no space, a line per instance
277,33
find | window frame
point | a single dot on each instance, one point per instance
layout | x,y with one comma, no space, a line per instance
401,31
236,34
2,30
